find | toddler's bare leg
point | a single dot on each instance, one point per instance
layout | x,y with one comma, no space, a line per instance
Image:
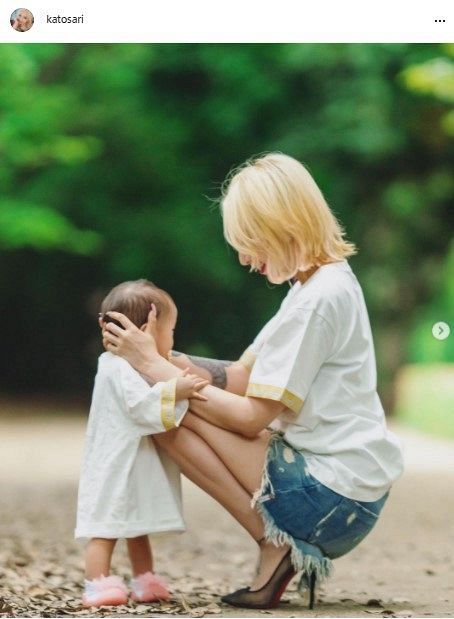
98,555
140,554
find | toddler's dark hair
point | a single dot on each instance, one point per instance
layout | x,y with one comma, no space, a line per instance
134,299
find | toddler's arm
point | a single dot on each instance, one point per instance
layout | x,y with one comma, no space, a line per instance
157,408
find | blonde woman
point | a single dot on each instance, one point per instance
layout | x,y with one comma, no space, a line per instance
22,20
292,439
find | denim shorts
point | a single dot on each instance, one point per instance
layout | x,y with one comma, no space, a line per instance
297,509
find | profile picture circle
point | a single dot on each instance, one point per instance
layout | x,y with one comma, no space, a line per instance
22,20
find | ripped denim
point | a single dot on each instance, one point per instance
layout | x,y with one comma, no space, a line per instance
318,523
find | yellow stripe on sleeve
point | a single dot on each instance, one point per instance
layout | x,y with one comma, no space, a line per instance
270,392
247,359
168,404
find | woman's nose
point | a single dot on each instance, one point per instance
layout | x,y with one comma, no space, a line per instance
244,259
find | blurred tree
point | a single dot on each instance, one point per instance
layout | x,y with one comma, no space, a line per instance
435,79
122,147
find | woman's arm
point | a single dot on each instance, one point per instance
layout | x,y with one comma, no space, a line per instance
230,375
245,415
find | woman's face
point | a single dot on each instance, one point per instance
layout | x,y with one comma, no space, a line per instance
259,263
22,18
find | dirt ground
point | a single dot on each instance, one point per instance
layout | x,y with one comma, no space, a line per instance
404,568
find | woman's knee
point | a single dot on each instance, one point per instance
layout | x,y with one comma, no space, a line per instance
166,440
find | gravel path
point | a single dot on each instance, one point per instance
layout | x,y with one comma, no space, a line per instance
404,568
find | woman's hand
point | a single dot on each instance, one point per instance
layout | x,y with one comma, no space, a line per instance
136,346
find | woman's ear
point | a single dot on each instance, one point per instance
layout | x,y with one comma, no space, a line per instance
144,327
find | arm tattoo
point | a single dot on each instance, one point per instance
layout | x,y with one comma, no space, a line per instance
215,367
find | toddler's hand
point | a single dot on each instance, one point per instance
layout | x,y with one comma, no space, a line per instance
189,385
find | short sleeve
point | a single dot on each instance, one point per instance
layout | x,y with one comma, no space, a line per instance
290,358
152,409
251,353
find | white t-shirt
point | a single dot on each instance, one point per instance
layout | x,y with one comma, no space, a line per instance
127,487
316,356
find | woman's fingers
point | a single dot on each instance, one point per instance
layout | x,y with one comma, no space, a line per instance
111,338
113,328
122,319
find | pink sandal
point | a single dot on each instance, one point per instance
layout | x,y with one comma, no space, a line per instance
149,587
105,591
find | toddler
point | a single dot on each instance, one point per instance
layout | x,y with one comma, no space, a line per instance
127,488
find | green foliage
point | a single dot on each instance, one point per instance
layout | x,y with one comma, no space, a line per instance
28,225
112,155
424,348
435,78
425,398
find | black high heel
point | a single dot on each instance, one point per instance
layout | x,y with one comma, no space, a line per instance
312,579
270,594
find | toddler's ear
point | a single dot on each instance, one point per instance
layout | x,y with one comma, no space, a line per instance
144,327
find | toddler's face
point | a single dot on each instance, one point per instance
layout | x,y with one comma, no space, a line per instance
164,332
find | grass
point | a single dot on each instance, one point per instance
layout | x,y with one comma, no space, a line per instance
425,398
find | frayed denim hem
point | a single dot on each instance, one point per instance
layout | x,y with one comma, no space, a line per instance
305,556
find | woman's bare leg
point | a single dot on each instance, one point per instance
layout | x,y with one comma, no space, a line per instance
205,453
244,457
199,463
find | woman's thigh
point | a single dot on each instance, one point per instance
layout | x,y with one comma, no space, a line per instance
244,457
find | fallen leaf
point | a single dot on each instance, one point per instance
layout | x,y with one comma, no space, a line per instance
214,609
198,612
185,605
140,608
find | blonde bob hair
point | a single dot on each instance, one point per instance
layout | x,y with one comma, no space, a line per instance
274,212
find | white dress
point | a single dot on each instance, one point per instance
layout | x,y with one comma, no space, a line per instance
316,356
127,487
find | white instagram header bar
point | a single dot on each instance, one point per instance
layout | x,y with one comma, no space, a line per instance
228,21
